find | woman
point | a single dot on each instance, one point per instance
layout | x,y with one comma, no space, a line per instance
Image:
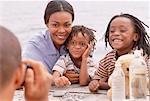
48,46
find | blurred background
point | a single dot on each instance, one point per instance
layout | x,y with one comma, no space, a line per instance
25,17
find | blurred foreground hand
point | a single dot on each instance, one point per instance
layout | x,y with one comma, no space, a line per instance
37,81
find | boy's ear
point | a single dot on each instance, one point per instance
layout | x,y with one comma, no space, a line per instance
136,37
67,46
19,76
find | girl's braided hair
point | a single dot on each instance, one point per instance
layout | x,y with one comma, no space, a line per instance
144,38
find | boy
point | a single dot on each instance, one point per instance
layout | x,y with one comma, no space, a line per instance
13,72
80,43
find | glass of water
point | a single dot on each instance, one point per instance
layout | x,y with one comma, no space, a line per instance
148,78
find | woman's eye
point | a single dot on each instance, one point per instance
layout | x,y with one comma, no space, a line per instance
67,25
55,25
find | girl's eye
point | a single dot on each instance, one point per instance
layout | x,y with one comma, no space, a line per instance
72,43
111,31
82,44
122,31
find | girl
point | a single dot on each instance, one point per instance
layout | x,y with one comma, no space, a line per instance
124,33
47,46
79,45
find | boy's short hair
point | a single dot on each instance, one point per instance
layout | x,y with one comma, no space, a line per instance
76,29
10,55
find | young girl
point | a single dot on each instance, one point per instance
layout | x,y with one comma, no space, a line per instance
79,44
124,33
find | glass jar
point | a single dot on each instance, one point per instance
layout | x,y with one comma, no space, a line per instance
138,82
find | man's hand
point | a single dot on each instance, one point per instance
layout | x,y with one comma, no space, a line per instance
72,76
37,82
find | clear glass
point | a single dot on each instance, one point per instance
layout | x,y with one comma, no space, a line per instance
148,79
118,84
138,86
138,78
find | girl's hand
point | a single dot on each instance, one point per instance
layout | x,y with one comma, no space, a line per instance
94,85
62,81
72,76
87,52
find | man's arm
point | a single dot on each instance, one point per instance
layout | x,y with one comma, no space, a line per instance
37,81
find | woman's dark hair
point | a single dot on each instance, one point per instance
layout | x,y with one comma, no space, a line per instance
57,6
144,39
85,31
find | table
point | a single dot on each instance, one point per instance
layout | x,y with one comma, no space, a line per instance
74,92
71,93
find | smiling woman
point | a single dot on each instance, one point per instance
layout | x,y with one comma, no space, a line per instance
48,45
60,27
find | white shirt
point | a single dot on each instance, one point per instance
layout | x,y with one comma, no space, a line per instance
65,63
